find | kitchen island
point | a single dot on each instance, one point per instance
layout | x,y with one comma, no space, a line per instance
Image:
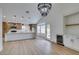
19,36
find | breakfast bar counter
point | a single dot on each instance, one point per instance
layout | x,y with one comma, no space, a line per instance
19,36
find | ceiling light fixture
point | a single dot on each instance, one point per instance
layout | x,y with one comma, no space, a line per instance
44,8
27,11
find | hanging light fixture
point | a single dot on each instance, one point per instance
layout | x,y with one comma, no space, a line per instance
44,8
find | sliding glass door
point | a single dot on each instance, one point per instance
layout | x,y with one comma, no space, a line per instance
38,29
48,31
43,30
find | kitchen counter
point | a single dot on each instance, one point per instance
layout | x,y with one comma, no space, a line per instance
21,33
11,36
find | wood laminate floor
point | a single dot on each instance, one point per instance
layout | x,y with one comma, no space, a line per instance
35,47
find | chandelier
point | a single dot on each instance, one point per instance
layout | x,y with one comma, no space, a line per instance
44,8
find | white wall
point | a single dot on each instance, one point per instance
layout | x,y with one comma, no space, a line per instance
1,29
55,19
71,37
72,19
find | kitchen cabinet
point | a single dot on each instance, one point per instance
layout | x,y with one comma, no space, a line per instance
76,44
71,41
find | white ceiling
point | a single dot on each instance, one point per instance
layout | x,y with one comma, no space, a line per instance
18,9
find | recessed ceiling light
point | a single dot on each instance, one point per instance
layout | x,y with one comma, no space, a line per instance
27,11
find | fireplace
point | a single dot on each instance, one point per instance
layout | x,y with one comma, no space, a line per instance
60,40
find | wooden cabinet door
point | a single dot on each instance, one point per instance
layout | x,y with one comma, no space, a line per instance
5,28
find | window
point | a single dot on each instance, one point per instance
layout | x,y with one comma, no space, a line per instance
38,29
25,28
48,30
43,29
